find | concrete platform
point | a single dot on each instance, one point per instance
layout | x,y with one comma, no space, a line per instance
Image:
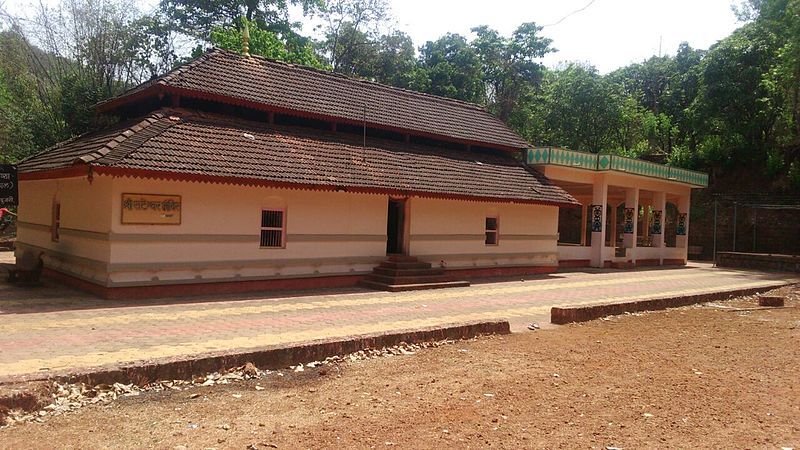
52,329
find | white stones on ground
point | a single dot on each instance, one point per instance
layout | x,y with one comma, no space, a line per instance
67,397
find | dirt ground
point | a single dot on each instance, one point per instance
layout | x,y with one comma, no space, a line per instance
704,376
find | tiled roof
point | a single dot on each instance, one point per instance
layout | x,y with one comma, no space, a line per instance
209,145
283,86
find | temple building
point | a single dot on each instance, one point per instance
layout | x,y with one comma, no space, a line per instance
238,173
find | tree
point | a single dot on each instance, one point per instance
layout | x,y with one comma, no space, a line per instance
265,43
509,65
197,18
352,30
737,112
61,61
450,67
578,109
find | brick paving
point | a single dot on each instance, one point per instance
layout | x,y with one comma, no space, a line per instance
53,329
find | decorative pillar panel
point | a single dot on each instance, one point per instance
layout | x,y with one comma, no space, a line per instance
598,219
682,230
631,222
659,208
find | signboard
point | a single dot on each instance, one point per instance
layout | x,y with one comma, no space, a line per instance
681,229
656,228
151,209
628,221
597,218
9,191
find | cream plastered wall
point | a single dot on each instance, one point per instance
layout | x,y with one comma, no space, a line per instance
452,233
574,252
83,248
327,233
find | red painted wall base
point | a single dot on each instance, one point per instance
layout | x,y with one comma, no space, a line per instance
288,284
647,262
674,262
574,263
193,289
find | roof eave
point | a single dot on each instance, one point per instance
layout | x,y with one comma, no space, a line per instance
81,170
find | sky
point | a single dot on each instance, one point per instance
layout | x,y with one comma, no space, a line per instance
605,33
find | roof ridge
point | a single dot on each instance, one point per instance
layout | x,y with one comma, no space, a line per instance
119,139
332,74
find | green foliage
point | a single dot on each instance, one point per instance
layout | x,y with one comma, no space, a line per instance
578,109
198,18
510,66
450,67
265,43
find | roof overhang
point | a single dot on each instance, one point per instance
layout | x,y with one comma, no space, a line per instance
90,170
552,156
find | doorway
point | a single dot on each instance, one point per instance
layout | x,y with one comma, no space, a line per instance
395,227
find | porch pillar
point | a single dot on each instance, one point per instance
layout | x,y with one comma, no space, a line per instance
613,224
659,215
584,208
644,231
631,224
682,231
598,219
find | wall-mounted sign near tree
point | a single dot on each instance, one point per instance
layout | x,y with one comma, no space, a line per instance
9,193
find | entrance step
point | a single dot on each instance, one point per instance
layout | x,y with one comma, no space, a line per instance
413,287
407,273
405,265
401,258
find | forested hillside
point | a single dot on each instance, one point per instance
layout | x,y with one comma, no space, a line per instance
731,109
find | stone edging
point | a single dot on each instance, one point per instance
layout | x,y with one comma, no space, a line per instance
271,357
571,314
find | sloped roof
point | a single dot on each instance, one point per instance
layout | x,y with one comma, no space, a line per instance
220,75
177,141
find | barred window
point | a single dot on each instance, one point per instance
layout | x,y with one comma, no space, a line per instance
273,227
492,227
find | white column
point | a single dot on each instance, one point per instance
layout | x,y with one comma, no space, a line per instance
682,241
660,204
629,236
599,200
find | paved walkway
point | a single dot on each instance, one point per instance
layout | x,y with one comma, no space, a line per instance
53,329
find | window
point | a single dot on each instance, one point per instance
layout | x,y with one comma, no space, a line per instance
55,224
491,230
273,225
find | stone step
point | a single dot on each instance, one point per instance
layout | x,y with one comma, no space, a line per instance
413,279
405,265
408,272
413,287
401,258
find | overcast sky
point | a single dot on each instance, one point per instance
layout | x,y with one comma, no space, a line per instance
606,33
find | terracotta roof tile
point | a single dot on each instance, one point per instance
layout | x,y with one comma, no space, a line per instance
218,146
307,90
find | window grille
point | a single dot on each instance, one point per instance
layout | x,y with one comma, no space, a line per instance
492,229
272,228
